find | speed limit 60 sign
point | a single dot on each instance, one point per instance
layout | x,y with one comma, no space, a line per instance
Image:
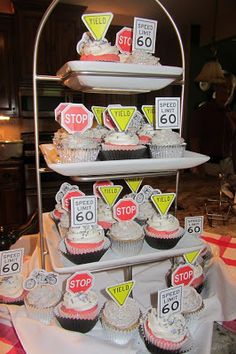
167,113
83,210
194,224
170,300
11,261
144,34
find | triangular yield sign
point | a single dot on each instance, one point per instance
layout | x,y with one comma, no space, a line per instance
120,292
110,193
191,256
122,116
163,202
98,113
134,183
98,23
149,112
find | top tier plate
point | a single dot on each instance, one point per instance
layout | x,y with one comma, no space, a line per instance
109,77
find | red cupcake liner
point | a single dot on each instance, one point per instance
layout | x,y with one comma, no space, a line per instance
104,57
76,248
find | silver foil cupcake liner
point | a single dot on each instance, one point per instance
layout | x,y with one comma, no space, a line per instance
119,336
126,247
44,315
78,155
169,151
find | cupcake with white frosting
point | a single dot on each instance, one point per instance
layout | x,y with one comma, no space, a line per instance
165,335
84,244
122,145
163,232
90,49
126,238
166,143
11,289
104,215
145,133
139,57
78,312
40,302
76,148
120,322
145,211
192,303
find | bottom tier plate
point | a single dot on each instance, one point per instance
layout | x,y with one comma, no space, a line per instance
110,260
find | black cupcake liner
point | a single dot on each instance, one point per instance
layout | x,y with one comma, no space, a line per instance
19,303
85,257
162,243
77,325
123,154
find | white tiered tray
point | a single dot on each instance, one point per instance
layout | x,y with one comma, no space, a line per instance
113,77
109,260
114,167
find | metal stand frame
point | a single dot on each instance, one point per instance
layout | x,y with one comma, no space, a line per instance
36,78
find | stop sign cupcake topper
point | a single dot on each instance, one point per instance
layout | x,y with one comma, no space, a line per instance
67,197
125,209
124,40
80,282
76,118
184,274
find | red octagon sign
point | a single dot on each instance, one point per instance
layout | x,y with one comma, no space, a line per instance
76,118
100,184
124,40
80,282
67,197
125,209
184,274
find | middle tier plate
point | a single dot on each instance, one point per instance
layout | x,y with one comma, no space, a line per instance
110,260
115,167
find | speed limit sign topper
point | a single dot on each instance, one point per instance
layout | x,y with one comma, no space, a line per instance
167,113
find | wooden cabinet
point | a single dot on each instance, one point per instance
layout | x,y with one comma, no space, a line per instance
7,69
12,198
59,37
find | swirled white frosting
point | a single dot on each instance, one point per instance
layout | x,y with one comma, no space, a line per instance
88,45
86,234
126,230
146,130
43,296
198,271
104,212
121,138
11,286
166,137
163,223
78,141
140,57
146,210
192,301
121,316
172,328
80,301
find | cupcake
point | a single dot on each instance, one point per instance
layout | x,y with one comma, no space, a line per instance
139,57
78,311
40,302
90,49
166,144
163,232
145,133
192,303
84,244
76,148
199,278
126,238
64,223
120,322
11,289
166,335
104,215
59,135
121,146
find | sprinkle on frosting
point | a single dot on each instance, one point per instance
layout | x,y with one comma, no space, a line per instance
166,137
121,316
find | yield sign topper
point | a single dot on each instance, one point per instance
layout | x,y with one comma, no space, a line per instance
125,209
163,202
120,292
80,282
76,118
98,23
124,40
149,112
67,198
184,274
122,116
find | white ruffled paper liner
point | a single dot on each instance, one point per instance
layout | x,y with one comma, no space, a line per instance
78,155
167,151
163,242
44,315
126,247
117,335
73,322
160,346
